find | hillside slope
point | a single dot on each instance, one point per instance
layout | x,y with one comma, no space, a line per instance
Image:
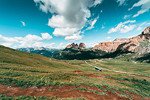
31,76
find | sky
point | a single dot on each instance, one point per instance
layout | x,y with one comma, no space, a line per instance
57,23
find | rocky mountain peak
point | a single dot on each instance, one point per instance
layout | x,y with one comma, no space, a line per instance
124,44
76,46
146,31
82,46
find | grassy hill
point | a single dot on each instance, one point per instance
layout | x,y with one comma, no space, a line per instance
31,76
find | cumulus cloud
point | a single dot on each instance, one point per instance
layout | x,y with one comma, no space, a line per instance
62,45
23,23
27,41
8,41
69,16
121,2
108,38
122,27
74,37
64,31
145,6
91,45
46,36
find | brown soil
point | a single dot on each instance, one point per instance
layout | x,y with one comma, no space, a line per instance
77,72
62,92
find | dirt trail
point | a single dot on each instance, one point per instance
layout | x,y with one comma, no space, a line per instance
116,71
62,92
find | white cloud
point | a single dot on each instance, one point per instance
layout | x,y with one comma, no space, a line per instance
140,26
23,23
108,38
74,37
62,45
46,36
27,41
97,2
66,21
91,45
41,44
145,6
121,2
126,16
7,44
64,31
122,27
8,41
92,23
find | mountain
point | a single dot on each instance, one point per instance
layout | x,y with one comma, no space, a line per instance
32,49
76,46
40,50
126,44
26,76
80,54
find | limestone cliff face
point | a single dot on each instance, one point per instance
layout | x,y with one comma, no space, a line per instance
127,44
82,46
107,46
76,46
146,31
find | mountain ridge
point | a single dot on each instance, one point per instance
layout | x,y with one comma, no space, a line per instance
125,44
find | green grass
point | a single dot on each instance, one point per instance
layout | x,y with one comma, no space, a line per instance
88,90
4,97
18,68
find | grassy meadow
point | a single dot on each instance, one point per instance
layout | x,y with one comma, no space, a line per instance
119,76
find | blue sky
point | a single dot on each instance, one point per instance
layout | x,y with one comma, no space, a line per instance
56,23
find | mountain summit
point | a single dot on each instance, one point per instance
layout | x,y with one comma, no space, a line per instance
76,46
124,44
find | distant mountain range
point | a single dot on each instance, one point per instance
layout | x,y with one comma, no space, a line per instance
48,52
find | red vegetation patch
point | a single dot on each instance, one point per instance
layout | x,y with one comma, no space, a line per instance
62,92
78,72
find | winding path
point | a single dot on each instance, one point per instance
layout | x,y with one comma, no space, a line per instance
116,71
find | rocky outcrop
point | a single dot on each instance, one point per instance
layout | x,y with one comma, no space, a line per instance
82,46
107,46
76,46
126,44
146,31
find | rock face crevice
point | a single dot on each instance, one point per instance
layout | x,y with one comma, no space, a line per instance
126,44
76,46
